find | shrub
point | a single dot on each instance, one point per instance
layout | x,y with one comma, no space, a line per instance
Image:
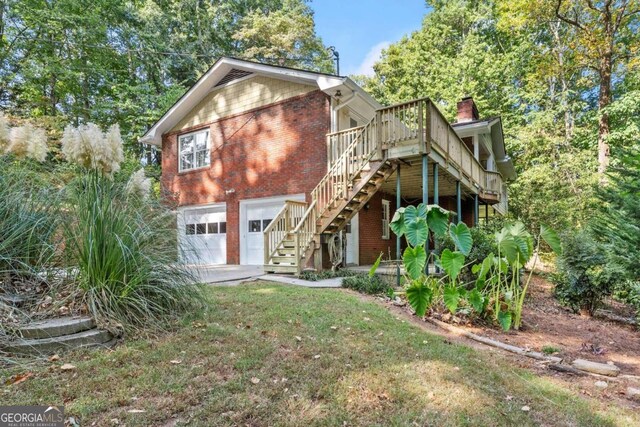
124,247
366,284
314,276
583,279
28,221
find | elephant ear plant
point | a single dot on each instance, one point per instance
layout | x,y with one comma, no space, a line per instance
415,223
501,275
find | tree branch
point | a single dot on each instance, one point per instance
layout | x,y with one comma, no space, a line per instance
566,19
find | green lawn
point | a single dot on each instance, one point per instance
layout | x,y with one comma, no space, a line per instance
370,369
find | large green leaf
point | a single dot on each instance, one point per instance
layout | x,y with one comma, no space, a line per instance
505,318
461,236
451,297
414,261
552,239
476,299
397,222
419,296
437,220
374,267
414,213
507,245
417,232
451,262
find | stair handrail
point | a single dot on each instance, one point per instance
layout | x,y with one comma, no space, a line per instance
278,229
304,233
346,166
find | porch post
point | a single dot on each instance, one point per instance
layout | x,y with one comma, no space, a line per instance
425,200
476,210
486,212
436,199
458,203
398,206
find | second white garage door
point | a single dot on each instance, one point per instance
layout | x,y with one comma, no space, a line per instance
255,216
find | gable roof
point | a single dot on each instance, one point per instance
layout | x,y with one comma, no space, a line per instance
227,69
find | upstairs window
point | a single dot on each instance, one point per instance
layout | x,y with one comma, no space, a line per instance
194,150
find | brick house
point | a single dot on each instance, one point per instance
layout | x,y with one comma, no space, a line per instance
290,168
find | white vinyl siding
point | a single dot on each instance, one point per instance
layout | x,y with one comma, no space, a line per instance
194,150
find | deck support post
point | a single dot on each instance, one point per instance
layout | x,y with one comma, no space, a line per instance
425,200
398,206
436,200
476,210
486,212
458,203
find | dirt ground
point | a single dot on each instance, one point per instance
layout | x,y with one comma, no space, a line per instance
575,336
548,324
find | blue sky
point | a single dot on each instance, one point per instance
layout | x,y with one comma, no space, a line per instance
360,29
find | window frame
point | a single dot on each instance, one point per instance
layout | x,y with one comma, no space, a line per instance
195,152
386,228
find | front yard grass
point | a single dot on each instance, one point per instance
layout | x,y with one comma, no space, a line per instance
268,354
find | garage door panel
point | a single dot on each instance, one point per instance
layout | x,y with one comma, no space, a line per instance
203,236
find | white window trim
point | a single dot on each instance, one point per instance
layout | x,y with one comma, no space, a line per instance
386,209
208,148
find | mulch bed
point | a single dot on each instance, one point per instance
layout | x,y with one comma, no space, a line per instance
576,336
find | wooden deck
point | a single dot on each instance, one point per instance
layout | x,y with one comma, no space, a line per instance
360,162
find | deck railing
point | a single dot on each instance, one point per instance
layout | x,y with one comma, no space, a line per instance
304,234
281,226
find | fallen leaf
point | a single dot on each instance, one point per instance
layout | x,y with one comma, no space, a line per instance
317,356
176,362
335,328
509,397
255,380
54,358
19,378
67,367
525,408
136,411
298,338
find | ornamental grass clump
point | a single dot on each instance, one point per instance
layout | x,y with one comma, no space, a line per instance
23,142
122,241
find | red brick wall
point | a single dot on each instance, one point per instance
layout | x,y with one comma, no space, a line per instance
370,230
274,150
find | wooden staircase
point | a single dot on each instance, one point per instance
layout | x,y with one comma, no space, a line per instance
361,159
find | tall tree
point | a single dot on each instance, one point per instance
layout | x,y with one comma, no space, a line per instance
607,38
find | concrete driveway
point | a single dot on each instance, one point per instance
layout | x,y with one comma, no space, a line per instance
235,274
227,273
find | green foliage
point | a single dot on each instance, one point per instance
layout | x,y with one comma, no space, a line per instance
461,237
29,217
128,62
125,252
549,349
420,295
314,276
414,260
584,279
452,262
372,285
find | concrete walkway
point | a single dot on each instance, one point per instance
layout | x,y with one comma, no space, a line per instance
229,275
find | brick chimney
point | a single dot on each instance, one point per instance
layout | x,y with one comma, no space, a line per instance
467,110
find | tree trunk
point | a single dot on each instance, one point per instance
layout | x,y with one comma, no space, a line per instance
604,99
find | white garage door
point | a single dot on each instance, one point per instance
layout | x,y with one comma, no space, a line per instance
203,234
255,216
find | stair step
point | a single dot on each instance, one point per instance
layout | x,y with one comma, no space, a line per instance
288,244
272,268
90,338
55,327
283,259
286,251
